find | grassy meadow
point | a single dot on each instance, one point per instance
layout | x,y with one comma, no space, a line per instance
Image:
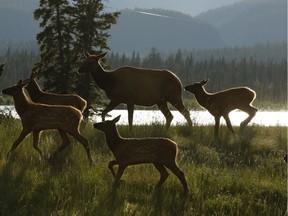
238,175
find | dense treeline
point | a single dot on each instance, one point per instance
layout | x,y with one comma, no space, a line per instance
267,76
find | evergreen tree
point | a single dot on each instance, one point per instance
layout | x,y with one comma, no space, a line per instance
69,28
55,44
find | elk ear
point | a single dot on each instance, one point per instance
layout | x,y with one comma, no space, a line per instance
86,54
116,119
102,55
21,84
204,82
33,75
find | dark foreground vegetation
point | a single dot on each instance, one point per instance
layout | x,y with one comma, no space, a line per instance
239,175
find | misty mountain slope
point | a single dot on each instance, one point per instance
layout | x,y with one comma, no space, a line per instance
250,21
164,30
17,25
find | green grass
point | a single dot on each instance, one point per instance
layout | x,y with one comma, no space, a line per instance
238,175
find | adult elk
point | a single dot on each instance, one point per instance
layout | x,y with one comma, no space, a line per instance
223,102
37,117
136,86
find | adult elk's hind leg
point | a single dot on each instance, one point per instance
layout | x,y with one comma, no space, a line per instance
166,112
183,110
130,108
112,105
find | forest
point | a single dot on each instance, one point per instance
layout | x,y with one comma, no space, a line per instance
264,70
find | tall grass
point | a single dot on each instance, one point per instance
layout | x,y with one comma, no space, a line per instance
237,175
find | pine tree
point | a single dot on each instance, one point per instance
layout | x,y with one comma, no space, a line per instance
55,45
90,24
69,28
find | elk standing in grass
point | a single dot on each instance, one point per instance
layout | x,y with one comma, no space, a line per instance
136,86
38,96
161,152
223,102
37,117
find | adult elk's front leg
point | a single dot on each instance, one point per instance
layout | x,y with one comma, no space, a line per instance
130,108
112,105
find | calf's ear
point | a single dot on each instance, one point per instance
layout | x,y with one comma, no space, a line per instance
86,53
204,82
116,119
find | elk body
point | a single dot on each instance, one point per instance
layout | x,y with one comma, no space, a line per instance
136,86
223,102
37,117
161,152
38,96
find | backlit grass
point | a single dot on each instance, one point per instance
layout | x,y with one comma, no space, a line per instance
237,175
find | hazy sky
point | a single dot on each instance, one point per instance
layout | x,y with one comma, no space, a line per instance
191,7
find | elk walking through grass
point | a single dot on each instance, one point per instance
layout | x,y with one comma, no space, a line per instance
161,152
37,117
223,102
136,86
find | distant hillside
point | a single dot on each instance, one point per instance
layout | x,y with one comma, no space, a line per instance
241,24
140,30
250,21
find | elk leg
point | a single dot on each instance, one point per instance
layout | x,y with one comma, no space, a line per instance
85,144
183,110
163,172
130,108
180,175
65,143
216,128
251,112
20,138
36,134
120,172
166,112
228,122
112,105
110,166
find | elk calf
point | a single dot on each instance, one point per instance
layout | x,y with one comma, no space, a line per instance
38,96
161,152
37,117
223,102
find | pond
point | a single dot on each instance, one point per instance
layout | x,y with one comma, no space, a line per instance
262,118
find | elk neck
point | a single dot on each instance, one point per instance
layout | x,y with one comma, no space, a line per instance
102,77
202,96
34,90
21,102
113,138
